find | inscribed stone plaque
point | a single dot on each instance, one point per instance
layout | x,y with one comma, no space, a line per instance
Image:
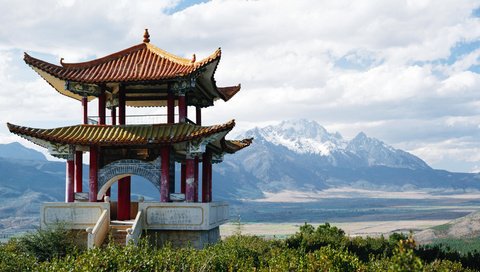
174,216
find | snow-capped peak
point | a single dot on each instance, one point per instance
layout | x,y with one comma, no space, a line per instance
303,136
308,137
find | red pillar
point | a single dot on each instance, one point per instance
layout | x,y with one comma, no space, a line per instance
124,184
70,169
93,181
210,196
183,178
101,108
85,109
170,108
165,174
182,108
189,175
123,204
198,111
195,179
113,112
121,105
78,171
206,176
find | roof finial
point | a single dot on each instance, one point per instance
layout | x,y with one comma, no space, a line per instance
194,58
146,36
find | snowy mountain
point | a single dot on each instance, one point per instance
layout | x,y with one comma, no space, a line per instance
301,155
308,137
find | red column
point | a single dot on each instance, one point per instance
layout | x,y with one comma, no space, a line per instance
195,179
183,178
189,175
113,112
206,181
85,109
69,181
123,204
170,108
182,108
165,174
198,111
101,108
210,196
93,181
121,105
124,184
78,171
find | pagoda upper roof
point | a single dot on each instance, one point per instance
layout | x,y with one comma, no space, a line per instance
142,62
140,67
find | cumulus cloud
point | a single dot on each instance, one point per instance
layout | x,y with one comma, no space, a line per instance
383,67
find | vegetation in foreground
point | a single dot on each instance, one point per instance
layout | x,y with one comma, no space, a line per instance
325,248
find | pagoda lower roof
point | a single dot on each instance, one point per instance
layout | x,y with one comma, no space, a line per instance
127,135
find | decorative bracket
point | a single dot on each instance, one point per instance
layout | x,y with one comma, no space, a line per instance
182,86
61,151
113,102
83,89
217,158
195,148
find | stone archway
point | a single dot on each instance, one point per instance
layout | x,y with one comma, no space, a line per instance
111,172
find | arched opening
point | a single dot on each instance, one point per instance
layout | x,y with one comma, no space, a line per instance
141,189
120,171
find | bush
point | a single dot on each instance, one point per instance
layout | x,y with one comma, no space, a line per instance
49,243
324,248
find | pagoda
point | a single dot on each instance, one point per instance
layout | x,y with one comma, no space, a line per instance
140,76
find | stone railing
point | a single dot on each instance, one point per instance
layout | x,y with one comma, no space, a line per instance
97,234
134,233
133,119
183,216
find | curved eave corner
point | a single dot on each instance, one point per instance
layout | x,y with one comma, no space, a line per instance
57,83
232,146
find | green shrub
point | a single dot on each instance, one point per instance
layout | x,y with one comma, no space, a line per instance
14,258
49,243
324,248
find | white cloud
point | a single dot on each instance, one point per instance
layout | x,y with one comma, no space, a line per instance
351,65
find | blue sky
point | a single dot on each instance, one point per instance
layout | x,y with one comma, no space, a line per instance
405,72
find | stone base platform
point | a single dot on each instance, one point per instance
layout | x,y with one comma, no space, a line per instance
178,223
182,238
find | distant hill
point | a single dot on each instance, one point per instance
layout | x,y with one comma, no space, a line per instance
17,151
466,227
